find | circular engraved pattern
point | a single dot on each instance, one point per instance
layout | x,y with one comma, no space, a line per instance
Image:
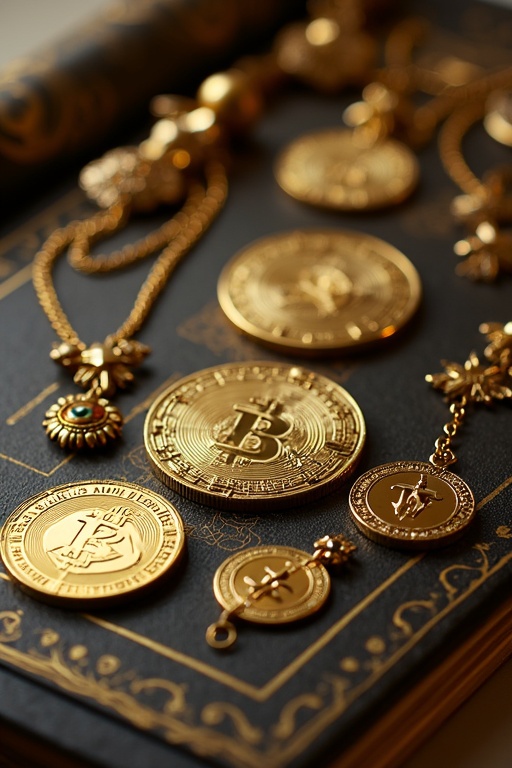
411,504
319,291
239,435
90,543
298,596
330,170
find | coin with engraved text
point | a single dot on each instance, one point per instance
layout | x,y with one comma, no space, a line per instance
91,543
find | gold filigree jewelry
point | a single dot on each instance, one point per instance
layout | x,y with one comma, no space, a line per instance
179,164
274,585
413,504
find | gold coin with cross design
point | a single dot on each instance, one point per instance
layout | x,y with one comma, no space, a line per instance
258,434
91,543
411,505
300,594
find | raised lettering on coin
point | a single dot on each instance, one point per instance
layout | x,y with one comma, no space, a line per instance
91,543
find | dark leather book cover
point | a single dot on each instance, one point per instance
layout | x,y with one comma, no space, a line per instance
138,685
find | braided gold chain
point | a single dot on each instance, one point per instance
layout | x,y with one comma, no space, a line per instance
177,236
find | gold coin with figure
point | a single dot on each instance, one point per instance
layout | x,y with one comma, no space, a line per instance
91,543
303,592
319,291
331,170
411,505
257,434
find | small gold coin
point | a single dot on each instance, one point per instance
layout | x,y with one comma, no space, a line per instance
330,170
91,543
300,595
319,291
411,505
254,434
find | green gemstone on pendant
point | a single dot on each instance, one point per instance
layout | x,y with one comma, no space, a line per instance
81,412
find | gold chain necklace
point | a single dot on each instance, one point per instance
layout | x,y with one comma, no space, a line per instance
179,164
124,181
485,204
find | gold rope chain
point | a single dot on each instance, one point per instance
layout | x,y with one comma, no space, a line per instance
177,236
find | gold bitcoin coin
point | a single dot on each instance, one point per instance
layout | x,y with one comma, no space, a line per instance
91,543
330,170
251,435
319,291
300,595
411,504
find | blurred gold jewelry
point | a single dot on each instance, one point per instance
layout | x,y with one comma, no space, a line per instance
485,204
319,291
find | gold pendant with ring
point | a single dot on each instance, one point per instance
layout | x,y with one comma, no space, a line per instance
420,505
274,585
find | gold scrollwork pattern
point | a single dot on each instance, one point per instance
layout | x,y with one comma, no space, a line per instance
221,728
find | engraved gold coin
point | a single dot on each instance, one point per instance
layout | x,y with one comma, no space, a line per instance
301,594
91,543
329,169
319,291
411,504
256,434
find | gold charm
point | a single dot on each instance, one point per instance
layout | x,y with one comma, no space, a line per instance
239,436
91,543
90,421
175,165
329,169
104,367
319,291
274,585
414,504
411,504
79,422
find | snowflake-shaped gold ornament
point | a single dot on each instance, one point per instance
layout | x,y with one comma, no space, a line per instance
473,382
499,349
102,367
487,253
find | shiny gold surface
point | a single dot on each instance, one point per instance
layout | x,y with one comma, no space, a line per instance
91,543
319,291
411,504
498,120
236,436
329,169
303,592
